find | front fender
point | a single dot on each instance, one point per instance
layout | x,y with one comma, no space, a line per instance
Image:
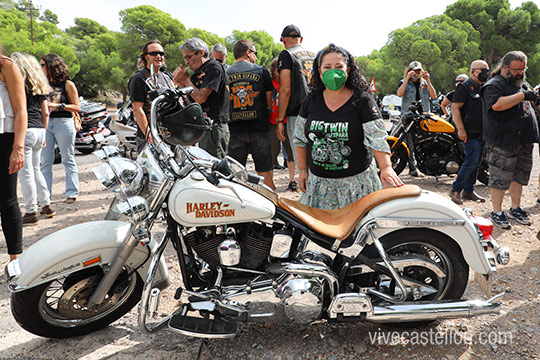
430,205
392,141
74,248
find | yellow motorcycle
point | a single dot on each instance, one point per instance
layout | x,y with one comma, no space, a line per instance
437,148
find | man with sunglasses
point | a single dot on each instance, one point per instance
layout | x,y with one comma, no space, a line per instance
251,90
467,116
152,54
210,90
510,131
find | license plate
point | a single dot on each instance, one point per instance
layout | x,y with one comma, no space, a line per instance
99,137
485,282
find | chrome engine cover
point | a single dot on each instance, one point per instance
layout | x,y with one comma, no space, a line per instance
302,298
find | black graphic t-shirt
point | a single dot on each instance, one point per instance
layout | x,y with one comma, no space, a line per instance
336,138
212,75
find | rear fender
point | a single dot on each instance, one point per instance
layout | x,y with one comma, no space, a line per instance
430,205
75,248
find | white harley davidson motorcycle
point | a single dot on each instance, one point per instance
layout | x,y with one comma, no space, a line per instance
246,254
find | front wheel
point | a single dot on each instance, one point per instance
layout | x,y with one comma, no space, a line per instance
399,157
58,309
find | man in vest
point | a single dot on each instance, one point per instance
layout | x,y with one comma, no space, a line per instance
294,66
510,130
250,101
415,85
467,115
210,89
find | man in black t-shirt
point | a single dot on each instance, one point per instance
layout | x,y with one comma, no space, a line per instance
294,67
210,90
152,54
467,116
510,131
251,98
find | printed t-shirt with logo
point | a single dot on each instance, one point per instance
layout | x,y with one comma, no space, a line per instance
336,138
212,75
248,108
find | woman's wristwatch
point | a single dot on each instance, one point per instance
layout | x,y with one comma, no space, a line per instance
62,107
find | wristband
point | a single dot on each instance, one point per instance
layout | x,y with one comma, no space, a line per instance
303,170
279,121
62,107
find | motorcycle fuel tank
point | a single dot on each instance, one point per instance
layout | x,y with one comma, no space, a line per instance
193,201
437,124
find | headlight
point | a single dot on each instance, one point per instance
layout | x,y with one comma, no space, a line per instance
121,173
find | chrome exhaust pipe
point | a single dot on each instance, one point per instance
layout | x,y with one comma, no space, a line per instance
429,311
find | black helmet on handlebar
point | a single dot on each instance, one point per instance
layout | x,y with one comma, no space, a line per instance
183,126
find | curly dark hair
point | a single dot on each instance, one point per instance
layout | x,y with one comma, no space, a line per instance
355,80
57,70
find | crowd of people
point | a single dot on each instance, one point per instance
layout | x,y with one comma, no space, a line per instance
316,107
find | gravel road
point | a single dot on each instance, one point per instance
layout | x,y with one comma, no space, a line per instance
515,334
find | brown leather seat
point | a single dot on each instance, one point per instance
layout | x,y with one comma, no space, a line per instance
340,223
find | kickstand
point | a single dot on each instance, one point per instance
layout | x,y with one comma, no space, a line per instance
436,181
203,342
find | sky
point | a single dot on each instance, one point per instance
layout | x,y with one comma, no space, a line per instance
359,26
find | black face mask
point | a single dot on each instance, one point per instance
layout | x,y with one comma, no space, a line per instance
483,76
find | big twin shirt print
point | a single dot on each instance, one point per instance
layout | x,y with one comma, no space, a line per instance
330,150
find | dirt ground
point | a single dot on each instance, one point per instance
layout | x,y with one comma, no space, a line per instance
515,334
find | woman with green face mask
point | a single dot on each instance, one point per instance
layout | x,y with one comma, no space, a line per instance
340,135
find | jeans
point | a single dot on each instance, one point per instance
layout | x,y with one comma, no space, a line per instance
10,214
33,185
468,172
62,132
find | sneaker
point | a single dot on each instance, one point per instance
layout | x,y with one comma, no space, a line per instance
30,219
47,211
520,215
293,186
500,220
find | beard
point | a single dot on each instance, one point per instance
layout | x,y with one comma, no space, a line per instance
515,81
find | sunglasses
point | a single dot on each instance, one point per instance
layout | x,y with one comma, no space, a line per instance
42,64
189,56
253,51
156,53
459,81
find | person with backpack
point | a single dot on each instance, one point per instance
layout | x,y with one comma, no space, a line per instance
338,132
294,67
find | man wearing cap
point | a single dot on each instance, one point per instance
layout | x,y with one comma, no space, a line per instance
467,115
294,67
251,98
415,85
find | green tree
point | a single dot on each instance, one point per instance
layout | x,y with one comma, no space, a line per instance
443,45
86,27
49,16
501,29
266,48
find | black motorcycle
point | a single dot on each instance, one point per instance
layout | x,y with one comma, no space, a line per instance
437,148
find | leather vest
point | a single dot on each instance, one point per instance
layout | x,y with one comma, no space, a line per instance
300,77
247,95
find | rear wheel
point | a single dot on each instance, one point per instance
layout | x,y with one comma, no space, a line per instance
87,148
399,157
58,309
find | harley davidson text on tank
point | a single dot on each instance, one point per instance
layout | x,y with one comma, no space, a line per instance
246,254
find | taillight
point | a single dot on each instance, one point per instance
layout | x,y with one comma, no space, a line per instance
485,226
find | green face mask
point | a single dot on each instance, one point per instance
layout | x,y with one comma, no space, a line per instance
334,79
